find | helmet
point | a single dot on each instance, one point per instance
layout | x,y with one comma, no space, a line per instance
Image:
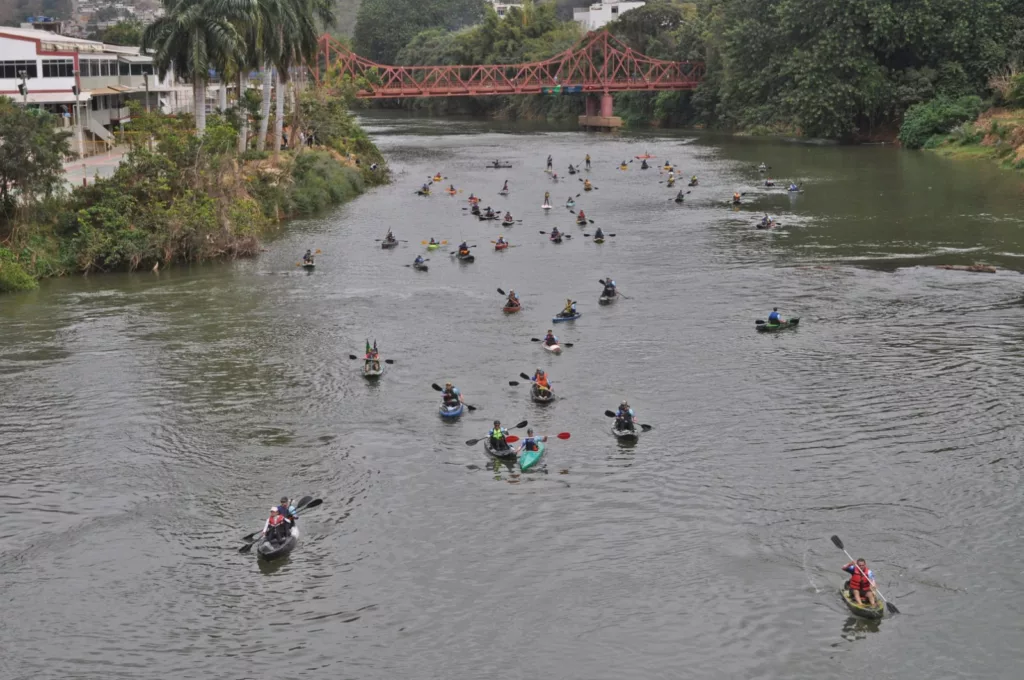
501,236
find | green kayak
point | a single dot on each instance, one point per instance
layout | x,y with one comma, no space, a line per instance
527,459
769,327
865,610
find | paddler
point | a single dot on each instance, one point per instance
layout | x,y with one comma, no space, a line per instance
762,167
736,197
623,166
513,299
547,198
766,221
451,189
775,317
861,583
550,162
508,217
693,181
587,161
505,186
437,177
581,217
463,248
570,308
769,182
572,170
793,187
276,528
609,289
433,242
671,179
540,378
555,234
586,185
489,212
624,417
497,435
643,165
308,257
550,339
473,199
609,284
419,260
451,395
475,210
425,189
598,234
501,241
680,197
530,442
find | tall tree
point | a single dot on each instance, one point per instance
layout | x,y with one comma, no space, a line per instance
384,27
194,36
32,157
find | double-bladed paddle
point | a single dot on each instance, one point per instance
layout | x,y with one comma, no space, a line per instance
574,212
608,235
591,186
474,442
512,439
560,235
305,503
455,251
889,605
386,361
441,389
426,259
645,428
561,344
601,281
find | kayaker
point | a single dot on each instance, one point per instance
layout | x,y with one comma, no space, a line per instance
768,182
508,217
793,187
609,291
624,417
308,257
555,234
501,241
643,165
775,317
570,202
570,308
475,210
586,185
513,299
550,162
498,434
276,529
463,248
419,260
505,187
425,188
680,197
433,242
736,197
609,284
451,189
451,395
762,167
623,165
582,215
389,237
488,212
541,379
693,181
530,442
473,199
287,510
572,170
861,583
587,161
550,339
554,177
598,233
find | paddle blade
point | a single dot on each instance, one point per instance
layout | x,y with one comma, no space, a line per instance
471,442
646,428
892,608
513,383
352,356
249,537
389,361
521,424
568,344
247,547
838,543
318,501
534,339
501,292
511,439
437,387
303,502
471,408
563,435
610,414
758,322
524,376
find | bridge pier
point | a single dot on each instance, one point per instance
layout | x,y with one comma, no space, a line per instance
600,114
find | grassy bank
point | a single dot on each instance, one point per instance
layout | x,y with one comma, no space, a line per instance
997,135
178,197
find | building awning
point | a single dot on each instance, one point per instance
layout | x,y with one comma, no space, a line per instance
52,98
135,58
99,92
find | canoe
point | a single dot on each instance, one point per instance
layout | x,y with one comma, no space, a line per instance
370,372
450,411
582,222
560,319
465,258
554,349
865,610
546,206
388,244
607,299
555,239
626,435
420,267
541,396
511,310
433,246
504,455
309,266
769,327
268,550
528,459
507,224
500,246
598,240
570,204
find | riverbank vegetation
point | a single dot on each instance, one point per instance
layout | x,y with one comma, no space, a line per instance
839,70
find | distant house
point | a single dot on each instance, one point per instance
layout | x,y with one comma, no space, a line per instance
107,77
503,6
600,13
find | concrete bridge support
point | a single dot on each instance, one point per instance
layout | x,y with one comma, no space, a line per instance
600,114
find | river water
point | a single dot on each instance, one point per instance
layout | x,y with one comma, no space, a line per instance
149,421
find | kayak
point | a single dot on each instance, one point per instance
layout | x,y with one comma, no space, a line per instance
670,183
503,192
598,240
423,193
770,225
527,459
546,206
272,550
433,246
309,266
505,223
554,349
511,310
679,200
450,411
626,435
645,157
450,192
505,455
370,372
559,318
555,239
607,299
438,178
668,168
388,244
465,258
586,188
498,167
570,203
692,184
484,218
500,246
581,222
623,167
768,327
864,610
420,267
474,200
542,396
735,201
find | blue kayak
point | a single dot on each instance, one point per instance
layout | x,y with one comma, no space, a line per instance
560,319
450,411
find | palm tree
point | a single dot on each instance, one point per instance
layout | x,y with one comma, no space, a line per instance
194,36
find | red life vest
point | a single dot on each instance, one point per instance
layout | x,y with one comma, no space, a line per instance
858,581
275,520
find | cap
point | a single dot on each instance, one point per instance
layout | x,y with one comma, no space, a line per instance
273,510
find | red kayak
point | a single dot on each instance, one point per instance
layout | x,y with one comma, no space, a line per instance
512,310
500,246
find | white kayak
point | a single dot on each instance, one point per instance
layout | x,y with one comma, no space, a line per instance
545,207
554,349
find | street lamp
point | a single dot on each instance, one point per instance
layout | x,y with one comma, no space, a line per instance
78,118
23,86
146,76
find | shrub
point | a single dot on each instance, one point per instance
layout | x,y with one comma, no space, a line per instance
13,276
935,117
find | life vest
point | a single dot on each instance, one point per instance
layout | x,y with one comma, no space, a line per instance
276,520
531,444
582,216
542,380
858,581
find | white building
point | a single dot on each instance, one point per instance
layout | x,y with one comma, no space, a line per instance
52,66
600,13
502,6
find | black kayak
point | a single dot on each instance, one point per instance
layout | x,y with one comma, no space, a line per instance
626,435
388,244
272,550
507,454
492,166
420,267
541,396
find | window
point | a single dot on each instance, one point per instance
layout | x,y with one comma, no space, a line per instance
615,9
148,70
125,69
104,68
58,68
136,69
11,69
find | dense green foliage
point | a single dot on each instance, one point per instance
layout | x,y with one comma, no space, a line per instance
384,27
32,156
128,32
937,116
13,277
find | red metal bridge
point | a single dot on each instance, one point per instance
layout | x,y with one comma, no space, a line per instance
598,63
